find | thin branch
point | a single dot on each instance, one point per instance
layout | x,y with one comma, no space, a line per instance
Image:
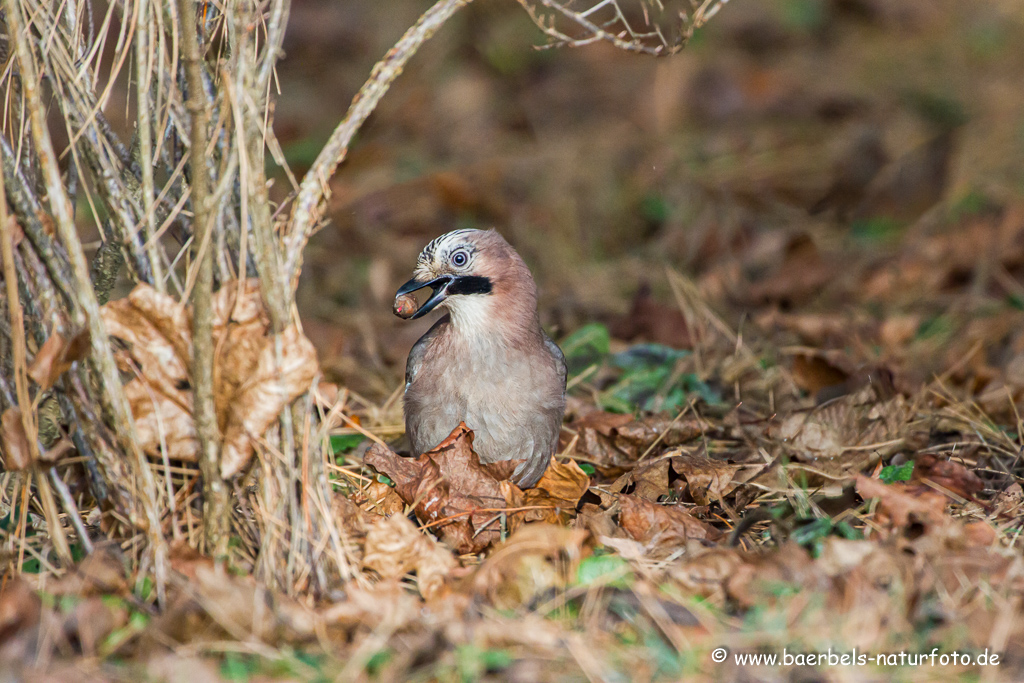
215,494
143,70
314,189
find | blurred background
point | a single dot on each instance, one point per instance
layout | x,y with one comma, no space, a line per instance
839,175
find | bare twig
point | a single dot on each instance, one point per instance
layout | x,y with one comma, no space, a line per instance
215,492
314,187
659,28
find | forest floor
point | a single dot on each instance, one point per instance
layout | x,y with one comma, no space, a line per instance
787,270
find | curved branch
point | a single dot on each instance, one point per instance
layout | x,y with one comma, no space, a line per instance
314,189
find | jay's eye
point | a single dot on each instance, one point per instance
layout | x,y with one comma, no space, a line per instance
459,258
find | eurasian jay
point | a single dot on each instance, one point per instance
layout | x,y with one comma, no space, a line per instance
487,363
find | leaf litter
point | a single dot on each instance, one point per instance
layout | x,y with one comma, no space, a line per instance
842,471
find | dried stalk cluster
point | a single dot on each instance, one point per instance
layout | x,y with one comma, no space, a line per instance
139,419
143,388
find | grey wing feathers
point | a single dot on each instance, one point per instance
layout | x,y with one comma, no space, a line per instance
559,358
529,473
412,365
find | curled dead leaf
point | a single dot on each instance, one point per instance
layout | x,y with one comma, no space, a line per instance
466,501
56,356
707,480
254,377
17,452
451,491
556,494
901,504
662,528
380,499
156,332
102,572
529,563
948,474
394,546
812,437
617,441
258,402
648,480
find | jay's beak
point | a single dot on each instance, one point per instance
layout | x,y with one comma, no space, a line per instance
439,285
443,287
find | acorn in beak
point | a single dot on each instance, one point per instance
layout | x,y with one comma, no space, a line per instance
443,287
403,297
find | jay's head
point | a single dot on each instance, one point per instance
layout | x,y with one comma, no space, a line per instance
472,273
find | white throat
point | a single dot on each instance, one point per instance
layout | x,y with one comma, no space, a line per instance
471,314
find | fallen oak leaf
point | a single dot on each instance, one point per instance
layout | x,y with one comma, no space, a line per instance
380,499
557,493
530,563
614,440
648,480
163,422
20,610
448,488
255,375
156,331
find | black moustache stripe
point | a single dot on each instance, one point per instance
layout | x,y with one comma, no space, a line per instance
470,284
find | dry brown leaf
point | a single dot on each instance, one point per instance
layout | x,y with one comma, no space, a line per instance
560,489
20,608
654,322
901,504
803,273
250,386
353,522
756,580
380,499
258,402
814,372
598,521
529,563
649,480
211,603
163,421
175,667
451,491
91,621
157,333
948,474
394,547
102,572
617,441
385,603
664,528
707,480
706,574
17,452
812,437
56,356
